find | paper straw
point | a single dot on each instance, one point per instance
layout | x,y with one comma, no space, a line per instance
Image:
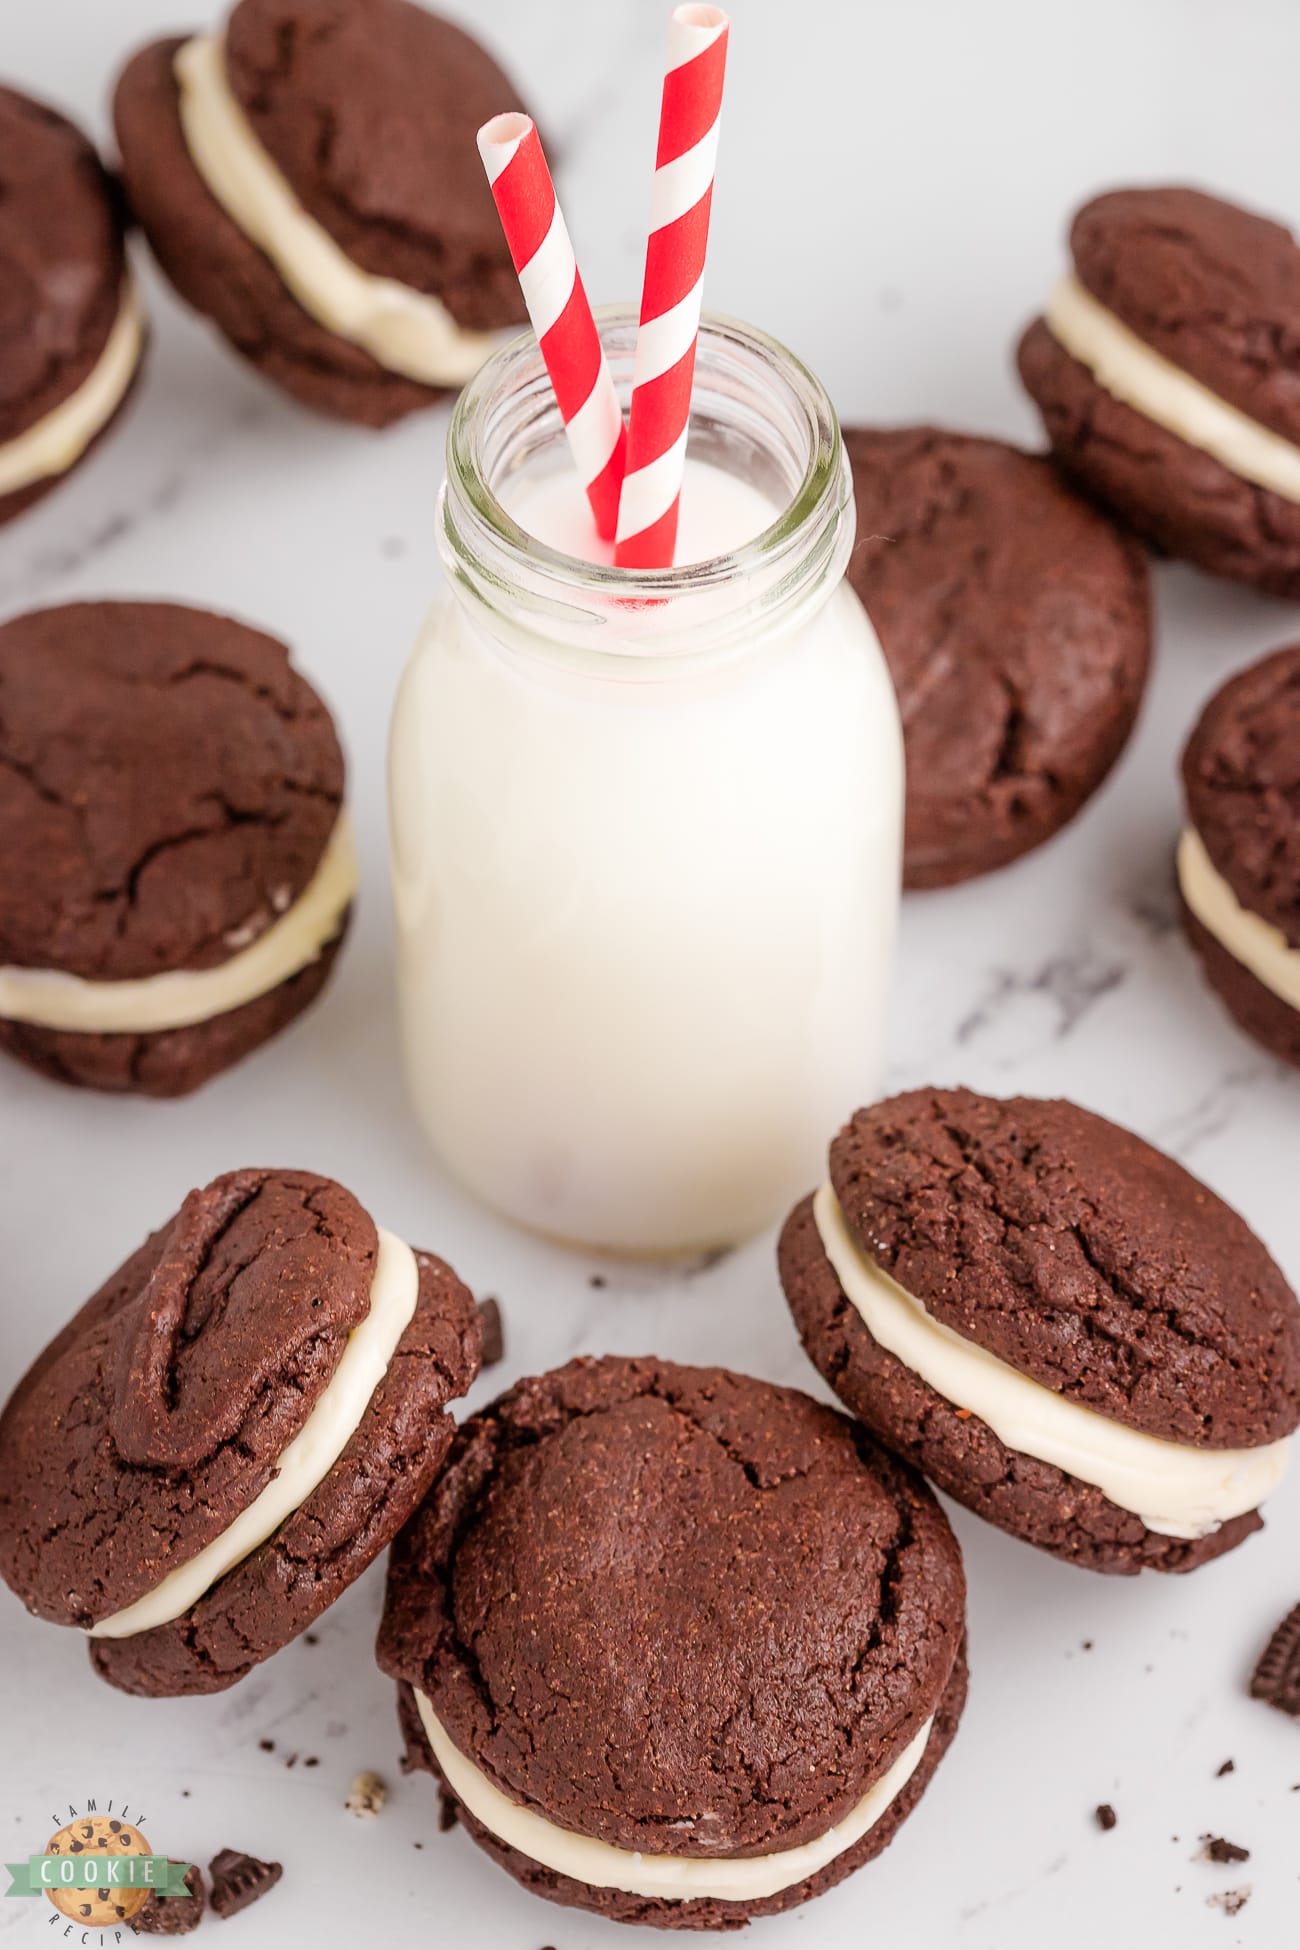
664,366
557,305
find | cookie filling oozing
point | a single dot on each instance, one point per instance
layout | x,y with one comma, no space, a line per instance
1161,392
48,998
1177,1491
404,330
304,1465
59,440
1262,949
667,1878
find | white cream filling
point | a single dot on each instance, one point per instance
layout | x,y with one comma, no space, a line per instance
1260,947
1176,1491
406,331
62,437
1162,393
670,1878
50,999
308,1459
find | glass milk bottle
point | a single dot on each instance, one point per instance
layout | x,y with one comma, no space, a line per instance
646,827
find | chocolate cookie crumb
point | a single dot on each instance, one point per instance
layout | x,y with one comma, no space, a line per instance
267,1746
175,1915
367,1795
1216,1849
1228,1767
311,1638
239,1879
494,1339
1276,1679
448,1814
1230,1901
1106,1816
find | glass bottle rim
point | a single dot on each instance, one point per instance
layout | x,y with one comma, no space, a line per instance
489,556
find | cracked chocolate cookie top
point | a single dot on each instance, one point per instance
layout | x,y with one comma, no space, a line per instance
1210,286
168,784
1241,775
1016,624
675,1609
61,260
370,108
159,1412
1080,1255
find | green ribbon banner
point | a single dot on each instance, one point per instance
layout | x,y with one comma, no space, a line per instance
40,1874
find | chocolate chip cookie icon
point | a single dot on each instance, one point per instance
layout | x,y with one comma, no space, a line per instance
98,1835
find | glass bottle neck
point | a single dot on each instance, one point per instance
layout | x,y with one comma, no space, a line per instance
757,413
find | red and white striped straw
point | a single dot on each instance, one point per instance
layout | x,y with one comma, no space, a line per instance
557,304
664,366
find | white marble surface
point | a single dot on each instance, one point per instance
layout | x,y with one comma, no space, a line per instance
892,190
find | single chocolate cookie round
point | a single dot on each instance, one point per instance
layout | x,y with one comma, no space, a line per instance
179,863
1017,627
659,1630
308,179
71,327
1165,372
1239,855
230,1430
1059,1325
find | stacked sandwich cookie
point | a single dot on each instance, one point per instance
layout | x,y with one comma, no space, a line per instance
307,178
1016,621
71,326
231,1429
1239,854
180,863
1164,370
682,1647
1059,1325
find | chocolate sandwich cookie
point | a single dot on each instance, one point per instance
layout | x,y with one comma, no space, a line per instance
1017,627
1164,369
179,865
682,1647
71,326
308,179
1059,1325
230,1430
1239,855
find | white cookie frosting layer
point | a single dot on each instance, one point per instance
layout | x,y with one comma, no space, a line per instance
1176,1491
405,331
669,1878
309,1458
56,442
48,998
1260,947
1163,393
